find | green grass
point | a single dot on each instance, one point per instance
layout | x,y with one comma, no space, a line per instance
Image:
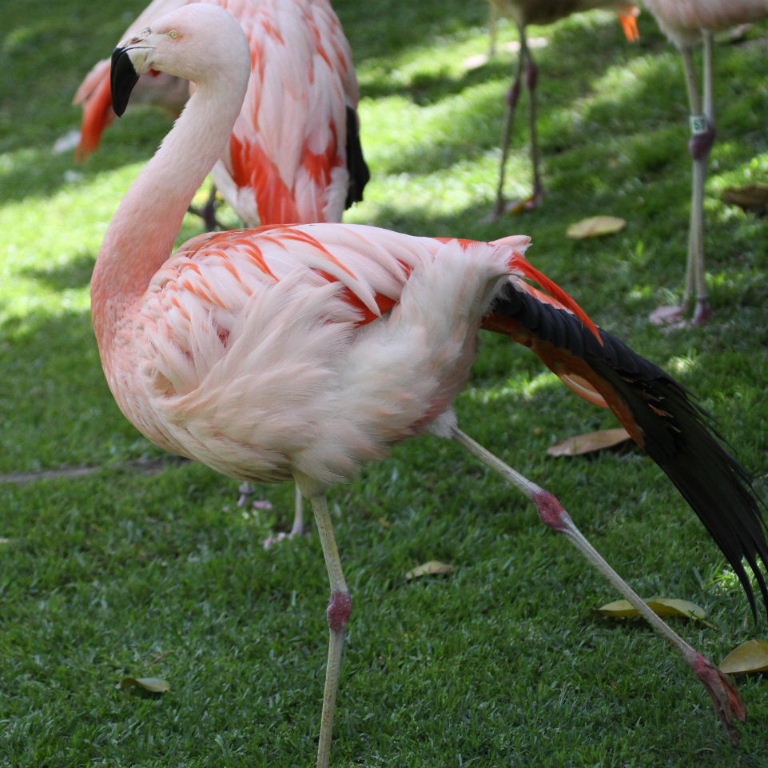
502,663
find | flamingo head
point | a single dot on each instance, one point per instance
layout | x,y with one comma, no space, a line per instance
198,42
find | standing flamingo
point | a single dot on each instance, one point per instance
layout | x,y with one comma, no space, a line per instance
525,12
305,351
294,155
688,23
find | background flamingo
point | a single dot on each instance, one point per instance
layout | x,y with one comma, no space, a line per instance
304,351
688,23
294,154
525,12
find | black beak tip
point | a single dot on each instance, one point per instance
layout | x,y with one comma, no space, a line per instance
123,78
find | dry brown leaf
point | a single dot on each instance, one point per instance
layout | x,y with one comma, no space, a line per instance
146,687
751,656
750,197
431,568
595,226
663,606
589,442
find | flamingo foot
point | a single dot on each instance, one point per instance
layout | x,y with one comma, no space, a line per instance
727,700
516,207
530,203
270,541
674,317
703,312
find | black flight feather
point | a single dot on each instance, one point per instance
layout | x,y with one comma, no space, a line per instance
359,174
678,434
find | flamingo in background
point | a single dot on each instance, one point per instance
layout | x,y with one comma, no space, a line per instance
306,351
525,12
294,155
688,23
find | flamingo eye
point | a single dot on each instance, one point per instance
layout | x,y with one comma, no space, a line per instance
173,34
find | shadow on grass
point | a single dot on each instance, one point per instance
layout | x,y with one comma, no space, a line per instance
76,273
55,405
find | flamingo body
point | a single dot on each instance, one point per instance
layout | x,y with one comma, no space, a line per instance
683,20
305,351
347,361
549,11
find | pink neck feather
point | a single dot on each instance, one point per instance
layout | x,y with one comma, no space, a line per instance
142,233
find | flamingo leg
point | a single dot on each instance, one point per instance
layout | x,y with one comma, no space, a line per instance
493,29
513,96
725,696
339,610
700,148
298,528
531,80
208,212
702,122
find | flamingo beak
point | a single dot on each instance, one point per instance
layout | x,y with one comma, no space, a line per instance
123,77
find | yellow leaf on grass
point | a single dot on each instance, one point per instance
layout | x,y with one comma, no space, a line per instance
751,656
591,441
146,687
663,606
431,568
595,226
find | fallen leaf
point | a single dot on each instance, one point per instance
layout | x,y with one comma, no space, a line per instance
146,687
751,656
663,606
431,568
589,442
750,197
595,226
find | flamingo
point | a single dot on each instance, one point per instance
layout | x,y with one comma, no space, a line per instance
688,23
294,154
525,12
304,351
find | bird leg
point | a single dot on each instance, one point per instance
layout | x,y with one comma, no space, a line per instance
531,80
726,698
513,96
339,610
208,212
298,527
702,122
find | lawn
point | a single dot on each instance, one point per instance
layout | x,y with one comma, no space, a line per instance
145,567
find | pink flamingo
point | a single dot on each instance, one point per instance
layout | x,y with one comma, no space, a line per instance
525,12
305,351
688,23
294,154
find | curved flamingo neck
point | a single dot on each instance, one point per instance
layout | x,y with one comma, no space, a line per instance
142,233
